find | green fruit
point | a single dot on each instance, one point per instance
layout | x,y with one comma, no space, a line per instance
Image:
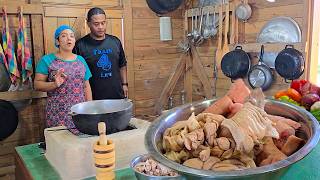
284,98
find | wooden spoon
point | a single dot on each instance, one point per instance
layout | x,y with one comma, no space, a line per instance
225,48
219,52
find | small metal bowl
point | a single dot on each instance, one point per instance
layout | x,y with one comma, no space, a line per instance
142,176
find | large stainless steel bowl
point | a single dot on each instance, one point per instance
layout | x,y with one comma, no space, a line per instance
309,131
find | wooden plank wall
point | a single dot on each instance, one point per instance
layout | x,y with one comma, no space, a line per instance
262,12
154,60
31,119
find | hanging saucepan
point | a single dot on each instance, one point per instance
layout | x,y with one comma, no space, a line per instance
8,119
235,64
243,11
289,63
260,75
163,6
5,81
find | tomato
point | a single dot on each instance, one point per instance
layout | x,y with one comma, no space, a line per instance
298,84
280,93
294,94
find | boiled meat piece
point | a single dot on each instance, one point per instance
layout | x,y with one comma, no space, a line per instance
288,121
221,106
210,162
292,144
178,157
234,108
209,117
204,154
224,166
270,153
194,139
238,91
223,143
210,130
244,142
194,163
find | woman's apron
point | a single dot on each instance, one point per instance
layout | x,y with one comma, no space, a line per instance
71,92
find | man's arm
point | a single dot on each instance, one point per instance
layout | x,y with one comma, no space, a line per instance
124,80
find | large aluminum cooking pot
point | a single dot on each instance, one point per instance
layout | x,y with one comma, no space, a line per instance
116,113
308,131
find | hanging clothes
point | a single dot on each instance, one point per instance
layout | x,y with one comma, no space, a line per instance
23,51
9,50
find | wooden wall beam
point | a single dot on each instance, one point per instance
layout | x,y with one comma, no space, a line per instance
201,73
171,83
128,46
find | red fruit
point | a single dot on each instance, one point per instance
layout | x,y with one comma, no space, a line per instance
308,100
298,84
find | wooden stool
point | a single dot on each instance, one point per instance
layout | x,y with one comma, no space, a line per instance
104,155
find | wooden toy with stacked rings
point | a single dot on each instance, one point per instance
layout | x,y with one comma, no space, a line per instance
104,155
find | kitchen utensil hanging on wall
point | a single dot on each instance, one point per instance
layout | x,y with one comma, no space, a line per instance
5,81
164,6
260,75
278,29
235,64
290,63
243,11
225,48
8,119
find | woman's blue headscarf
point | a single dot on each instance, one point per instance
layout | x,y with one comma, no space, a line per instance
58,32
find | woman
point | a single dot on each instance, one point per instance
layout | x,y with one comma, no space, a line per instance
65,77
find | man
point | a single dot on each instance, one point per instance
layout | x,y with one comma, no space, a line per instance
105,57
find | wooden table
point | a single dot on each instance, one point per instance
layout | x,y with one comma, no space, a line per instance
32,164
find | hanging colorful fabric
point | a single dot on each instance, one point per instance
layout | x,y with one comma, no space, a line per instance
3,57
8,49
23,51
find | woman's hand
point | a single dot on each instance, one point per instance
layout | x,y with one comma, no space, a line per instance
60,77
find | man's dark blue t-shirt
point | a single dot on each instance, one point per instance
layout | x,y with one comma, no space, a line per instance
104,58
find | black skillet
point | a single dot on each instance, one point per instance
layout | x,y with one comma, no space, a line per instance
8,119
289,63
260,75
235,64
163,6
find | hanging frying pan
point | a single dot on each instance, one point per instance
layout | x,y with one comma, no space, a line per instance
260,75
8,119
289,63
163,6
5,81
235,64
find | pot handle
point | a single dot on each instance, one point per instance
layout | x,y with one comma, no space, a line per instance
286,80
289,45
238,47
72,113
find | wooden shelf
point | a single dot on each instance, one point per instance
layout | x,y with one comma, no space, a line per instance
21,95
268,47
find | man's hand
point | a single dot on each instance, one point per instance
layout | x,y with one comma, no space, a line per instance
125,90
60,77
